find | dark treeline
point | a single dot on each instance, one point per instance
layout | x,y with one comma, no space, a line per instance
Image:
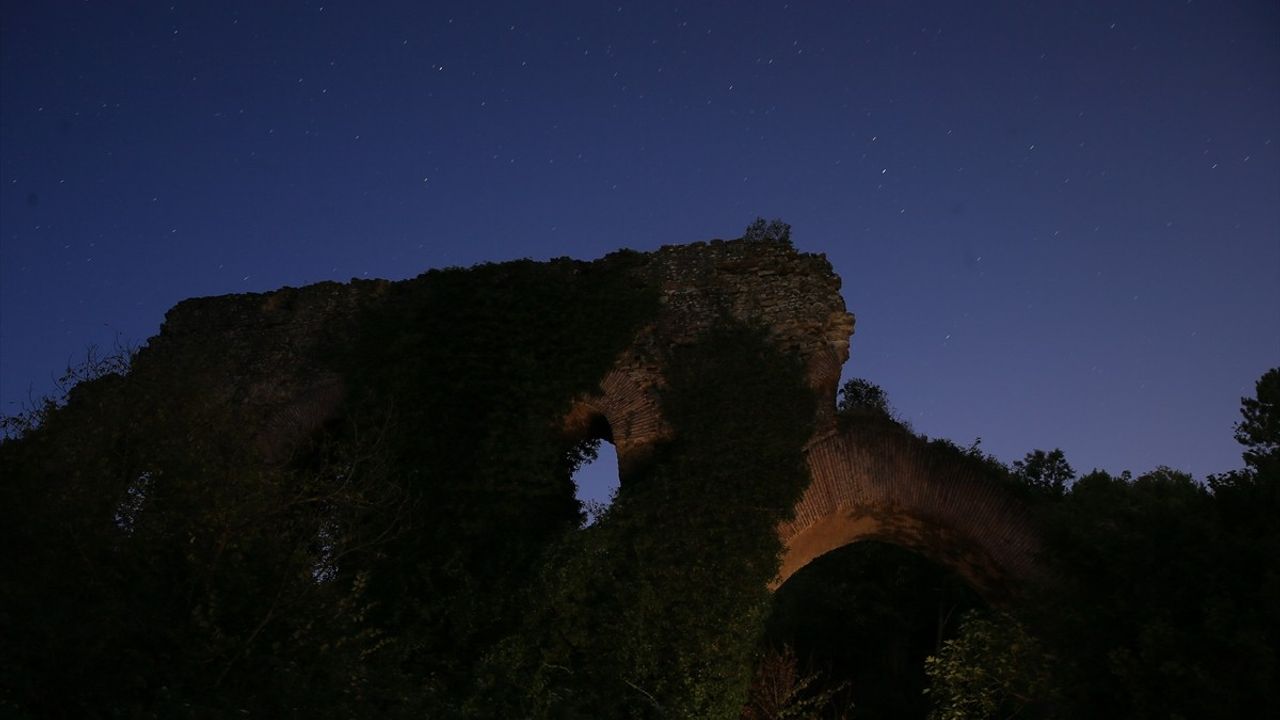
423,554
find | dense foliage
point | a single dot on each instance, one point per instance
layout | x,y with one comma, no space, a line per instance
473,393
861,397
168,569
865,617
423,555
1163,599
993,668
761,230
617,627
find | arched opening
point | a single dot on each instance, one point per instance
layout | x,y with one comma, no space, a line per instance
596,480
594,460
938,543
860,620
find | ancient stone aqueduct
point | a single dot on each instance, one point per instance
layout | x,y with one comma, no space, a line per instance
865,485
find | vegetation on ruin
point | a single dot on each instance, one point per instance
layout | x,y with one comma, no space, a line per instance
422,554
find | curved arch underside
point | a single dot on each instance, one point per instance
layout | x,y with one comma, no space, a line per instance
892,486
631,411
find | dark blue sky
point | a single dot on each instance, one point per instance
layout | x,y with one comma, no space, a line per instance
1058,224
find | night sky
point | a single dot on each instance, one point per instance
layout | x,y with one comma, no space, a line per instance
1058,224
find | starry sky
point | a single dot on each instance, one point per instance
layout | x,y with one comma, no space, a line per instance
1058,223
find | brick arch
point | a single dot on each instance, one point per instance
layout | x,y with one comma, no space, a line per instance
891,486
627,404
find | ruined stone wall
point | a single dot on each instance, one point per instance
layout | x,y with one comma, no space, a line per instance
796,295
266,354
263,353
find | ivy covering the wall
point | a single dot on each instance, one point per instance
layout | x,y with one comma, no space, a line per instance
421,553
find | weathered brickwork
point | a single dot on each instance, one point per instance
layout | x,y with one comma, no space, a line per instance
892,486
